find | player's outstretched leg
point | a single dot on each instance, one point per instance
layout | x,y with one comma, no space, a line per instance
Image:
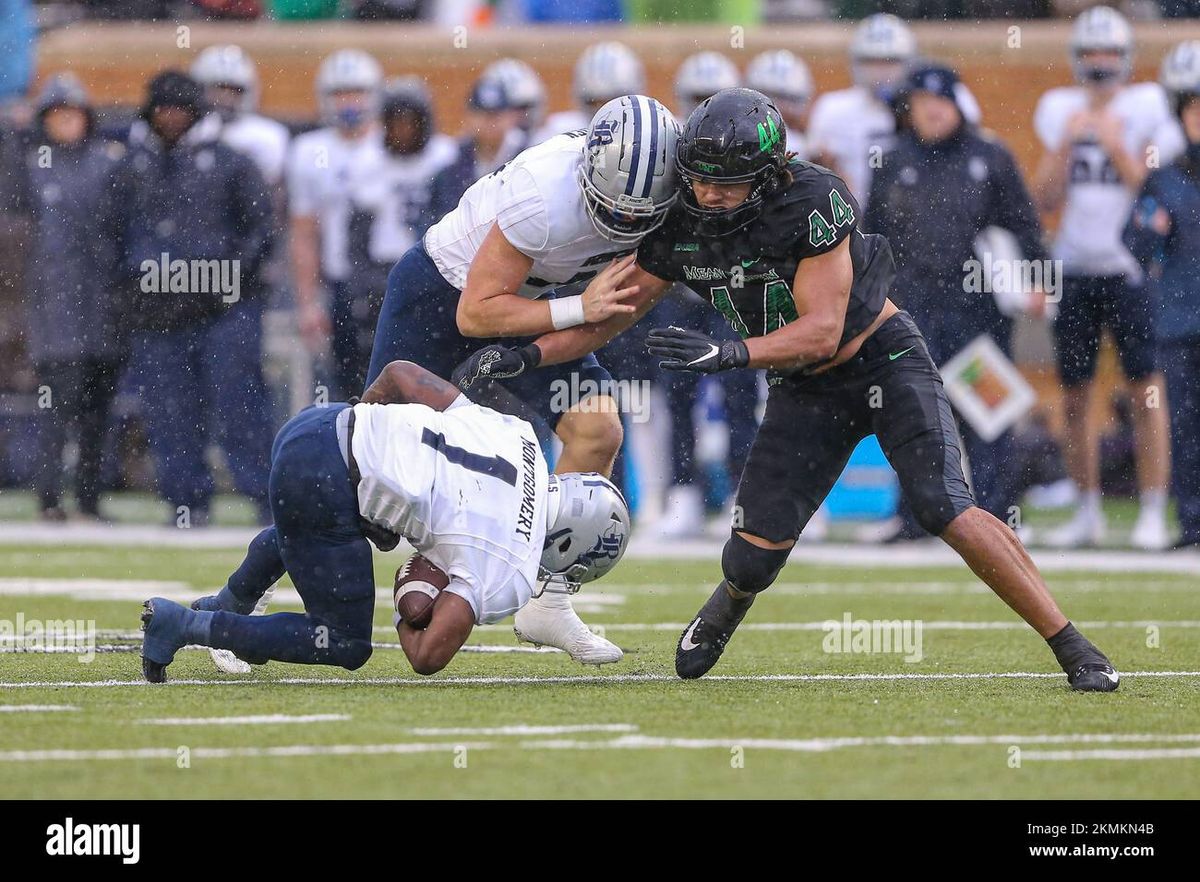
288,637
748,569
995,554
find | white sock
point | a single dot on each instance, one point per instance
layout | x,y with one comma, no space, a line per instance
1089,505
1154,502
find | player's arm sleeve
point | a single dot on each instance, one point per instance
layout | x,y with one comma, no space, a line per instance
524,218
1012,207
824,217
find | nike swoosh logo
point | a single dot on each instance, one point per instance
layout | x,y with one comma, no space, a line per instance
686,644
713,349
1113,677
746,263
896,355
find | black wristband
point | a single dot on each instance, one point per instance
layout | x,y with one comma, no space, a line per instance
734,354
531,355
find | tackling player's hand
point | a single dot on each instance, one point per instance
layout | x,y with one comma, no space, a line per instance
495,362
604,297
684,350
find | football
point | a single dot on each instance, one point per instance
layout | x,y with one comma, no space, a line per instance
417,585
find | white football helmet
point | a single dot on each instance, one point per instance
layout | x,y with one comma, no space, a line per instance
628,168
701,76
587,530
1180,73
348,70
779,74
880,38
523,87
231,67
1101,29
605,71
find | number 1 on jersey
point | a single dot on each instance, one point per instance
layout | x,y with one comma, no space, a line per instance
496,466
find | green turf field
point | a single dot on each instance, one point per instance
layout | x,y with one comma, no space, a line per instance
788,720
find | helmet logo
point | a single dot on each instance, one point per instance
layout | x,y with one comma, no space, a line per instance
709,166
768,135
602,133
608,545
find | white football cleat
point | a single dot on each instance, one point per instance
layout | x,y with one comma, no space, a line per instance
550,620
224,659
1085,530
1150,532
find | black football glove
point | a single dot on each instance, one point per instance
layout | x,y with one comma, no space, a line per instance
495,362
684,350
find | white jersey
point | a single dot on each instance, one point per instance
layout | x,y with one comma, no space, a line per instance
323,170
538,204
560,123
466,486
1097,200
851,126
262,139
398,196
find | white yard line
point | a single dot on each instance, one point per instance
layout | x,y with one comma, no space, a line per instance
35,708
582,680
259,720
1077,755
527,729
645,742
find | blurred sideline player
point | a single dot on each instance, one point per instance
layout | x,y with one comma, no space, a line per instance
393,208
814,310
1096,136
524,96
467,486
604,71
325,166
785,79
849,127
559,214
231,87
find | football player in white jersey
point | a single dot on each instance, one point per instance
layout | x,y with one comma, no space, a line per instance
512,98
785,79
561,215
230,83
325,167
848,127
604,71
466,486
1098,138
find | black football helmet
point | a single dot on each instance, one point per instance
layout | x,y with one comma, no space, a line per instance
734,137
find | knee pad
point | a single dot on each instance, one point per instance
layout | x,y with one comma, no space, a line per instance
350,653
935,509
749,568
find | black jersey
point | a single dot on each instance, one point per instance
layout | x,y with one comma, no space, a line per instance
747,275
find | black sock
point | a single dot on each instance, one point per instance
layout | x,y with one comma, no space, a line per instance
1073,649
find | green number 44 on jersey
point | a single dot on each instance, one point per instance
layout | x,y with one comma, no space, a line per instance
820,231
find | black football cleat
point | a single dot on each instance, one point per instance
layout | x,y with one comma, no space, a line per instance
1094,677
701,645
163,629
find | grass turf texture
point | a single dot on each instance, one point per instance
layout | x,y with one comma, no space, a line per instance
733,713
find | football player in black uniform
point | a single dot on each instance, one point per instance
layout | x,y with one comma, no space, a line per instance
773,244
